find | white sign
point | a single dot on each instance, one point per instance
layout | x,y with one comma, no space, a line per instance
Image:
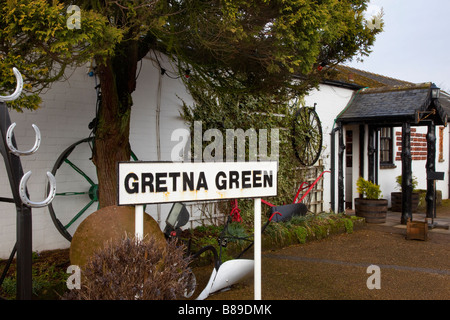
159,182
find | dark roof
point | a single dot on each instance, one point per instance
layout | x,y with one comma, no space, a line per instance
393,105
445,101
362,79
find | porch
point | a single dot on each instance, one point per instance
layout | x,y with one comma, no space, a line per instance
372,110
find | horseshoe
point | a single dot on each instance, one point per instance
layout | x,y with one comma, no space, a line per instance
27,201
18,90
9,135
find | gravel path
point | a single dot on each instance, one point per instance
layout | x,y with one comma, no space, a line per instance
336,268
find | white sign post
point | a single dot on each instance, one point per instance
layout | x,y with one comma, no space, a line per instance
257,251
139,221
141,183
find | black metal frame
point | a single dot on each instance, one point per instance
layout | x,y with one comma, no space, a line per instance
23,246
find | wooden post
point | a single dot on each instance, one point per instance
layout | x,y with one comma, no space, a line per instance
431,167
406,174
341,197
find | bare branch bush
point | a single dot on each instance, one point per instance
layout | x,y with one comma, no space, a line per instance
131,269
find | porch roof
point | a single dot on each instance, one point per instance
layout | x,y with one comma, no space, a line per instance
394,105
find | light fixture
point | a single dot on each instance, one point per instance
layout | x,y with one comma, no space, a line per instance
434,91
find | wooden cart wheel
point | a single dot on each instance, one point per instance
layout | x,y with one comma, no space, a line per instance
77,187
307,136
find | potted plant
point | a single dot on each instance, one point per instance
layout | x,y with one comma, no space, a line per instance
396,197
370,206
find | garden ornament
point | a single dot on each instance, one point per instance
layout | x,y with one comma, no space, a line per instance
18,90
13,149
24,196
9,142
227,274
18,182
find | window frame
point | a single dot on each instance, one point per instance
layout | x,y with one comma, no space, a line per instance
390,146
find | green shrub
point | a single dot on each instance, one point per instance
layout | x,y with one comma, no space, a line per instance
398,179
348,224
301,234
368,189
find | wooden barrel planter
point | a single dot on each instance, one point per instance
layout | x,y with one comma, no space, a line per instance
396,201
372,210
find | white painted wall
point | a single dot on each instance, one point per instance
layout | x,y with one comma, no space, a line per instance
330,102
386,178
63,119
156,92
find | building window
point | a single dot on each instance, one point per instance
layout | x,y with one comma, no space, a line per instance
386,146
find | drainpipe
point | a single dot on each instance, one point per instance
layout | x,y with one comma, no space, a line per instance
341,155
340,169
333,168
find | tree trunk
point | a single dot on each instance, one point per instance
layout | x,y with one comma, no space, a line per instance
117,82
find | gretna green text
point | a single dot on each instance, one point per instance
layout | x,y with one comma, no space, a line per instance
155,182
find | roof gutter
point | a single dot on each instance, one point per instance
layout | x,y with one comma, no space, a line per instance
341,84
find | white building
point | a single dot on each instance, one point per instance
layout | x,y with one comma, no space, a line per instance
69,106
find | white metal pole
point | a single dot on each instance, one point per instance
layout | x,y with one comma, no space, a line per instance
257,251
139,222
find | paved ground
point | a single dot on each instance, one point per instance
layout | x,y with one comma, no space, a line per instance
336,268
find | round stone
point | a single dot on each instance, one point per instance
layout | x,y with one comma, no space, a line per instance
108,224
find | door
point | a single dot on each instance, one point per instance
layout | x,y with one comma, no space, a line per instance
348,169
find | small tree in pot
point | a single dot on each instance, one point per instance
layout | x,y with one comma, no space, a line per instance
396,197
371,206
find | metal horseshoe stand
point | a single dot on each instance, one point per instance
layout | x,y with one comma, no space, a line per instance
17,181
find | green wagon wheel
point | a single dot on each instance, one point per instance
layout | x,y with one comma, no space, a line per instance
77,188
307,136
